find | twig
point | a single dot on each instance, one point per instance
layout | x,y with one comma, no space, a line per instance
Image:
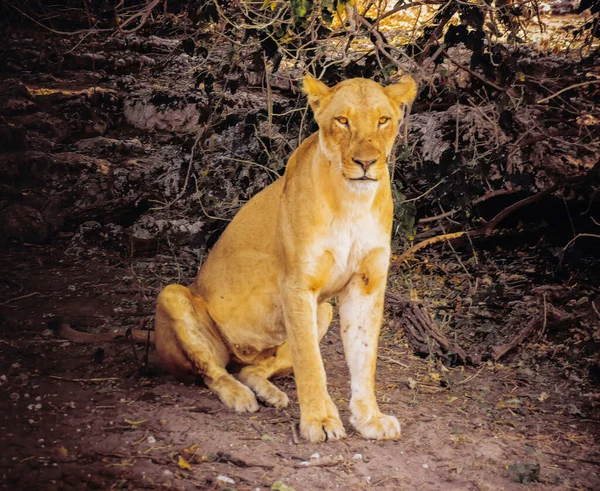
392,360
590,82
595,309
187,176
143,16
295,434
499,351
22,297
545,318
60,33
437,217
322,462
488,227
92,380
148,341
421,245
468,379
386,479
269,93
472,72
577,236
476,201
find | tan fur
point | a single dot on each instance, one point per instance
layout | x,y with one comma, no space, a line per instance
260,299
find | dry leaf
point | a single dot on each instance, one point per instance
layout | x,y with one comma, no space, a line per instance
184,464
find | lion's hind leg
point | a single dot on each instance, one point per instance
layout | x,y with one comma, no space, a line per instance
279,365
189,344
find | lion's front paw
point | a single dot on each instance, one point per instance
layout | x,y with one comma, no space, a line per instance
235,395
265,390
318,429
381,427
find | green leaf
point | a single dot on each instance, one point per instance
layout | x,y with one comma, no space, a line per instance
301,8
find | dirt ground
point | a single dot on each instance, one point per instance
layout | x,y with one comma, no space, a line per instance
80,416
99,213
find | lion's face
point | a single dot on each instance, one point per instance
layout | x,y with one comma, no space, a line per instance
358,121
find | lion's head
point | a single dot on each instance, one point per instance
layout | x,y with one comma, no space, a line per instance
358,121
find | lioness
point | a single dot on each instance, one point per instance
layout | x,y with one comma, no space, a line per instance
323,229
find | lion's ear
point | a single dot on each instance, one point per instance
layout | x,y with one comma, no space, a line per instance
403,92
316,91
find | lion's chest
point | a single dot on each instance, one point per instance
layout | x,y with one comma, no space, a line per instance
349,242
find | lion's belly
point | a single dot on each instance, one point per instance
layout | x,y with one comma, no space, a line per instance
251,326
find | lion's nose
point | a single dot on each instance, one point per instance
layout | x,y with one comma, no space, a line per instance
365,164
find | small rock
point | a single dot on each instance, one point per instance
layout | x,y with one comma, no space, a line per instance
315,456
23,224
411,382
151,440
26,395
3,380
225,479
167,473
524,472
304,463
425,466
357,456
14,397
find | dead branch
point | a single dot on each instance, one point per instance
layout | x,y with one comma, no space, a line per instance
582,84
421,245
84,380
558,322
485,230
22,297
476,201
422,333
595,236
488,227
473,73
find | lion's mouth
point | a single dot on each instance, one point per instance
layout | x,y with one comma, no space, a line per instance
363,178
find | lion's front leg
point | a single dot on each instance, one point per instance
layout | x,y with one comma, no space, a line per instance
361,313
319,417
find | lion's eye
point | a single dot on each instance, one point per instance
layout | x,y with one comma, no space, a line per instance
383,120
342,120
